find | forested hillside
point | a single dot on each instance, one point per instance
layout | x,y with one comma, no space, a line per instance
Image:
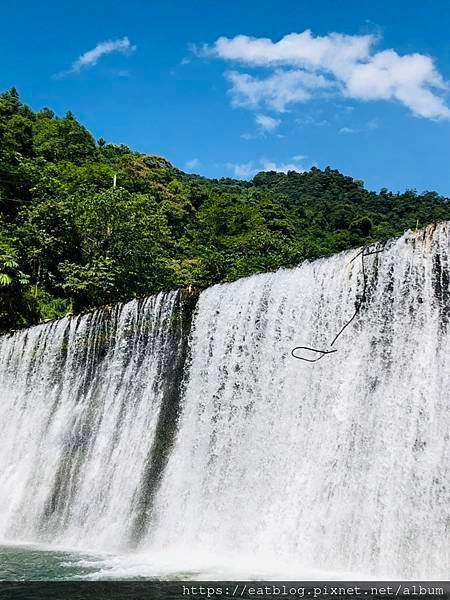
69,241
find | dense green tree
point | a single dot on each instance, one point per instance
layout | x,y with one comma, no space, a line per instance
123,241
15,309
69,241
62,139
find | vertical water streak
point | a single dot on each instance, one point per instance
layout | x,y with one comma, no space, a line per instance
81,400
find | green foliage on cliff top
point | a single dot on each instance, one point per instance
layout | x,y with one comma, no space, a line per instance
69,242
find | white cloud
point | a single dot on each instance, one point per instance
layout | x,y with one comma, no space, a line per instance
348,130
250,169
282,167
266,122
411,79
91,57
243,170
277,91
193,163
334,51
303,65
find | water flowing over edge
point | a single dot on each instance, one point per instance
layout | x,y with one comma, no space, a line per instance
286,467
90,404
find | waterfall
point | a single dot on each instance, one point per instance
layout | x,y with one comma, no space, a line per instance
341,465
82,399
133,428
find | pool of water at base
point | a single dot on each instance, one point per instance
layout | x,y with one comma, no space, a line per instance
34,563
37,562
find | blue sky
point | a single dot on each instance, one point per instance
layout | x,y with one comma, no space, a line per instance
230,88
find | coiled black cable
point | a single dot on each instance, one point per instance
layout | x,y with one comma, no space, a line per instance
366,251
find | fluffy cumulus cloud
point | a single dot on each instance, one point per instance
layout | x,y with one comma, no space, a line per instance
334,51
301,66
91,57
277,91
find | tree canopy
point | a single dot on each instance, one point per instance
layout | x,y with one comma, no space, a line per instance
69,241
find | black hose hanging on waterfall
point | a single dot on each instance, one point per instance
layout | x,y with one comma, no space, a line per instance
366,251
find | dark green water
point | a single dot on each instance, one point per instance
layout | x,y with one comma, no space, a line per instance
24,563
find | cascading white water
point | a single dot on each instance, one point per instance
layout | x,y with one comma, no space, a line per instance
278,466
338,466
80,399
